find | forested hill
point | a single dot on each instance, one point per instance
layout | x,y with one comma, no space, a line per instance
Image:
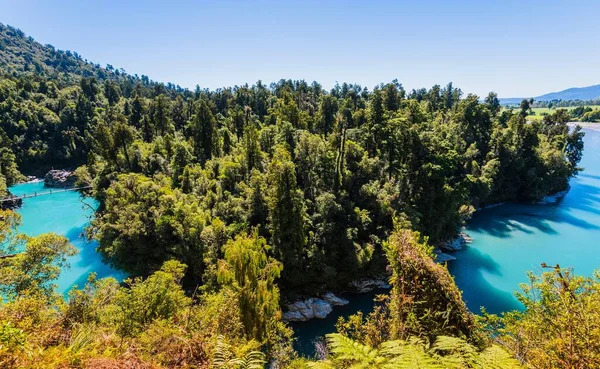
21,54
242,192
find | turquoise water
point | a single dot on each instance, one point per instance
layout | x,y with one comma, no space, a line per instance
65,213
508,241
511,239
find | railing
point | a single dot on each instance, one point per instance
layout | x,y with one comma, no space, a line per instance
50,192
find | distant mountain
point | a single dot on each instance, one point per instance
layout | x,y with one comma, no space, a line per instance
575,93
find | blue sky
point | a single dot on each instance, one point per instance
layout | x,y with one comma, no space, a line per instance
516,48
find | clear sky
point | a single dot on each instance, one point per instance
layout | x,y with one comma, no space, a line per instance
514,47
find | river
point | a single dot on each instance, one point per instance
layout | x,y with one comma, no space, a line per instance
511,239
508,241
65,213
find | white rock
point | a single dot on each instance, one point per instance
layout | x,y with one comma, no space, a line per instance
321,308
456,243
305,308
293,316
334,300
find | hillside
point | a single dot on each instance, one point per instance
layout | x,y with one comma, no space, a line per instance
21,54
575,93
231,204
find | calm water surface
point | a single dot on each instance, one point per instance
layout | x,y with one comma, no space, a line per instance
65,213
508,241
511,239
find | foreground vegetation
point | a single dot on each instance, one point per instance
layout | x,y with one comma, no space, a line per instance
224,204
153,323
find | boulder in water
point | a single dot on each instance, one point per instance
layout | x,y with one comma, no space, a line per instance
303,310
456,243
334,300
321,308
441,257
59,178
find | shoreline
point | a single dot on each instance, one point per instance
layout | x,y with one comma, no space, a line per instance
585,125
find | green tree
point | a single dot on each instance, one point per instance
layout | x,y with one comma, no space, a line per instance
202,128
160,296
251,273
286,209
33,270
560,324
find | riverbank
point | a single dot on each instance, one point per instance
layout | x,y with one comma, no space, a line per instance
513,239
66,213
586,125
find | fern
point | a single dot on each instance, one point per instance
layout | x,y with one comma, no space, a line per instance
323,364
223,357
446,353
409,355
455,352
346,349
495,357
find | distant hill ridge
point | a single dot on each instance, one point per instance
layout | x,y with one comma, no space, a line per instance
574,93
21,54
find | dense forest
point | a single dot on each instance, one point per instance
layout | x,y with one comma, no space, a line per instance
224,204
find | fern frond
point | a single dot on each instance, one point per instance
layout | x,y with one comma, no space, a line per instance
359,355
456,352
495,357
222,354
254,360
409,355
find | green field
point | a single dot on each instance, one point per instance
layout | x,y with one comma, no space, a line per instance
538,113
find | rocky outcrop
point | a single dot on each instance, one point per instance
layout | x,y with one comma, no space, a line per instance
553,199
59,178
442,257
456,243
11,202
368,285
303,310
334,300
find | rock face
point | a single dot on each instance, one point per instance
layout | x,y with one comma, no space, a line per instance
59,178
334,300
368,285
11,202
303,310
441,257
553,199
456,243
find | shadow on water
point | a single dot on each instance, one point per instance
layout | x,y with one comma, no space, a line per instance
502,221
477,291
584,197
591,176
